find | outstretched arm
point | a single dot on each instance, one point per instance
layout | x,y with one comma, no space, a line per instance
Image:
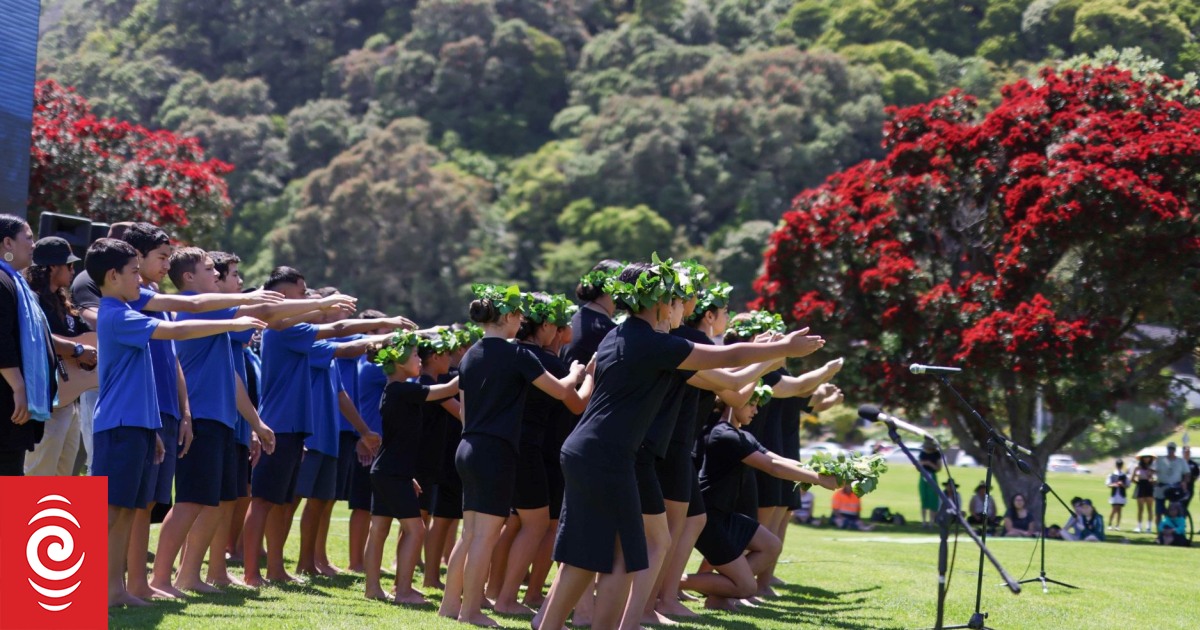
196,328
357,326
204,302
797,344
807,383
790,469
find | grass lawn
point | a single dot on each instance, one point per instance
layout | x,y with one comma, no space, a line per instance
881,579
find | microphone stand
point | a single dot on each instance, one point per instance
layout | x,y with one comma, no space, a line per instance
1044,489
948,511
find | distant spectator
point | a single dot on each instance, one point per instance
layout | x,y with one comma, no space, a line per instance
930,459
1168,537
952,493
983,509
1054,532
1118,483
847,509
1174,519
803,515
1086,525
1171,473
1193,474
1143,491
1018,521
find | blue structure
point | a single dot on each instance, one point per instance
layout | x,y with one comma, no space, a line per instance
18,63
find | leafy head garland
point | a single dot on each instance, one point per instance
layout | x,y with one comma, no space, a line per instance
694,277
561,310
469,334
755,323
762,394
598,278
397,351
505,299
441,341
537,307
713,298
656,285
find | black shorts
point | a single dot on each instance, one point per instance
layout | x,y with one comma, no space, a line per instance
207,475
488,467
242,456
675,473
393,496
347,460
554,481
747,500
770,489
725,537
318,476
126,456
274,478
448,500
532,489
360,487
696,501
164,473
649,491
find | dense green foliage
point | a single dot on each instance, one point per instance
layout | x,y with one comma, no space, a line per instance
444,141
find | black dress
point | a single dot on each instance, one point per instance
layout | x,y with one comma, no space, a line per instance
395,466
15,440
432,450
634,366
447,498
533,482
588,329
694,414
727,532
494,378
792,409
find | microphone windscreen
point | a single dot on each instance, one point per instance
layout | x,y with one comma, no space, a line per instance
868,412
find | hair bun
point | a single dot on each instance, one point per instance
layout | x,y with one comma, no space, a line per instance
483,311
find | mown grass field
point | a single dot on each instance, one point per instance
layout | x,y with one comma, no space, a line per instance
835,579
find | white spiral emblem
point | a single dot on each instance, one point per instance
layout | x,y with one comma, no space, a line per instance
59,551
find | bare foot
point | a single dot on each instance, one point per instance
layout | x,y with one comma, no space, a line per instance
434,584
513,608
411,597
197,587
328,570
533,601
380,596
450,608
766,591
149,592
254,581
284,578
720,603
480,619
674,609
775,581
750,602
125,598
580,622
168,590
225,580
654,618
356,568
685,596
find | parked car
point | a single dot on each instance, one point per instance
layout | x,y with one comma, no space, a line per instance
1061,462
806,452
965,460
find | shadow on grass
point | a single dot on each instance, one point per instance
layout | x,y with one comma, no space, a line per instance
801,604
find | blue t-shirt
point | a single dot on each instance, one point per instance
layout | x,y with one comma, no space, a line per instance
238,342
208,368
371,381
326,383
162,356
126,370
348,371
285,397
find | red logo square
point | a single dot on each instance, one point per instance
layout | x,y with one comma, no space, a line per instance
54,552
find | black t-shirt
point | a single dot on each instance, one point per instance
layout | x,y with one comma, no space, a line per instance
16,437
658,436
725,447
451,435
401,407
62,322
84,292
433,435
494,377
1193,471
696,402
929,459
540,408
767,427
634,368
588,329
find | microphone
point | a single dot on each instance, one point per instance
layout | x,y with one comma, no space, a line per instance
873,414
917,368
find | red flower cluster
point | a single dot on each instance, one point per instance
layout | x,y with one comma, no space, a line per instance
110,170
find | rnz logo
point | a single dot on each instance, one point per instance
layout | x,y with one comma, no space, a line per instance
53,586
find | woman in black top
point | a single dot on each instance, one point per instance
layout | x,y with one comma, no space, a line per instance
600,530
393,487
495,375
727,533
1018,521
447,501
24,396
434,349
591,323
532,497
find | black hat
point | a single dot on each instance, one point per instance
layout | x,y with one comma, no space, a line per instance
983,486
53,250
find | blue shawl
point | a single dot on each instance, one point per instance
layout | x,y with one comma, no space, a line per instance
35,362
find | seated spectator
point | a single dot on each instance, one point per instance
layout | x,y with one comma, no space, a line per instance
952,493
1168,537
1018,521
1174,519
804,514
980,501
1054,532
1086,525
846,510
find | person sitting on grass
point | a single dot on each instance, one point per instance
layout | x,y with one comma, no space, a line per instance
1018,521
982,509
1169,537
1086,525
1174,519
846,510
803,515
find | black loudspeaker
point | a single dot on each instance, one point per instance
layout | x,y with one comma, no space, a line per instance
76,230
99,231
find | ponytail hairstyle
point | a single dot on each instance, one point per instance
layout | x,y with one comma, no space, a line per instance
493,302
536,311
591,285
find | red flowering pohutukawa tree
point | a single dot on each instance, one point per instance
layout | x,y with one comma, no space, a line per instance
1024,244
110,170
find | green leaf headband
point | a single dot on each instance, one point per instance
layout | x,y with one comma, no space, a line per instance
397,351
536,310
505,299
713,298
759,322
762,394
441,341
564,309
471,333
599,277
656,285
694,278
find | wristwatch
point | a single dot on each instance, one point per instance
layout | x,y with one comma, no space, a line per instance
78,351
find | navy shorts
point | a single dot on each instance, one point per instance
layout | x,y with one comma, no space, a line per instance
208,473
347,460
360,487
488,467
274,478
725,537
448,500
532,490
318,476
126,456
242,456
393,496
649,490
163,475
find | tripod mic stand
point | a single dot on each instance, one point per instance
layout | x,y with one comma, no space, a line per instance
1045,581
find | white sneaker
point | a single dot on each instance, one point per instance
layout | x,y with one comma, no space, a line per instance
1137,530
